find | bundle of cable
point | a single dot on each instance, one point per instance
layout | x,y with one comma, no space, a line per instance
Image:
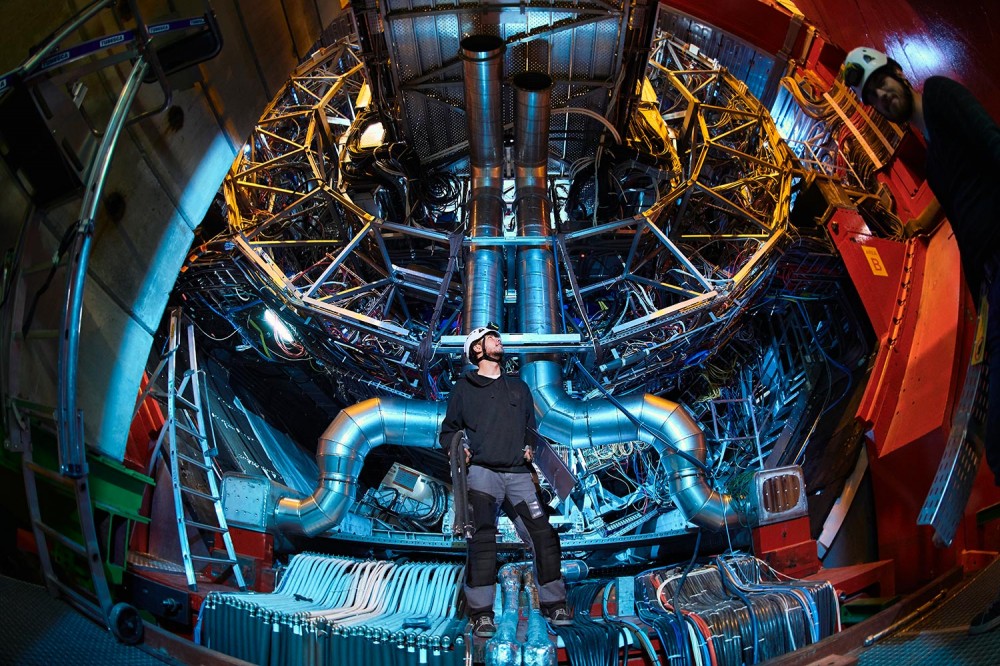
335,610
734,611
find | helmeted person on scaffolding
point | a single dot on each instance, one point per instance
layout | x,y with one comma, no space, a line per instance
963,172
497,413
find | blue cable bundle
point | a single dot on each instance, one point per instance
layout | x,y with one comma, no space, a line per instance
735,611
331,610
588,641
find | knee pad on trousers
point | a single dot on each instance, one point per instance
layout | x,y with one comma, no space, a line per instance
481,563
544,542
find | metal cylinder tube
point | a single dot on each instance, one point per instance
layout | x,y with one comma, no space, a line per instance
482,60
585,423
537,301
341,454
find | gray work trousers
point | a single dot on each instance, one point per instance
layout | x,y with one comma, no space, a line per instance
516,488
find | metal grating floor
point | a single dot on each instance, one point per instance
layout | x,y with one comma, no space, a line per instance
37,629
940,637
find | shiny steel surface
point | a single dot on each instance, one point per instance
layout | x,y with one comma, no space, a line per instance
482,57
586,423
537,302
359,245
341,454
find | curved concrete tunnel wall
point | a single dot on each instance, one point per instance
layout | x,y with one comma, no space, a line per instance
167,176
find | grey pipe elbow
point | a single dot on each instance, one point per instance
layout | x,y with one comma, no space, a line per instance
341,454
585,423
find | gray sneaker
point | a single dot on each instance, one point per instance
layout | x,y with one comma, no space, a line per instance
559,617
483,627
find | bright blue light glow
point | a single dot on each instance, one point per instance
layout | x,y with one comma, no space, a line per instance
920,53
281,331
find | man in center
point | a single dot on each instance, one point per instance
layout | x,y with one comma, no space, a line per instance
497,413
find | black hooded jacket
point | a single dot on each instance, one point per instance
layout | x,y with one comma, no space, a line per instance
498,416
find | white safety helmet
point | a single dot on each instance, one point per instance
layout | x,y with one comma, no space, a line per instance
859,66
474,336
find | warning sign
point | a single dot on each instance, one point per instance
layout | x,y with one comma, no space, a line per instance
875,261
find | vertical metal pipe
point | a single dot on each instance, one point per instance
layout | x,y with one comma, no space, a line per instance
482,57
580,423
72,452
537,301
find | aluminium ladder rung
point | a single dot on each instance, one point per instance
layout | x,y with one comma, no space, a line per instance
51,475
214,560
187,404
204,526
198,493
194,461
194,433
61,538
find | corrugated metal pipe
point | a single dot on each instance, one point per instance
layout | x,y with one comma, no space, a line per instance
537,300
341,454
585,423
482,57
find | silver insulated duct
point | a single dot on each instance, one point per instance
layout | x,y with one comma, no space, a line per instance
585,423
341,454
572,422
537,302
361,427
482,57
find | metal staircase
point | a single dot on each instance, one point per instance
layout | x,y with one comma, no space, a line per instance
187,441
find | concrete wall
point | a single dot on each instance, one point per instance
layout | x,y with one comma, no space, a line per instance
163,178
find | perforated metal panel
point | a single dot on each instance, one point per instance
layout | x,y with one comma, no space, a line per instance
38,629
945,503
939,638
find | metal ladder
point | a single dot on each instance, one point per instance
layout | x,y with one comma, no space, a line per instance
189,443
122,619
945,504
176,47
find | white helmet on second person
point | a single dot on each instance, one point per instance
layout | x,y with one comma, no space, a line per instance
474,336
859,66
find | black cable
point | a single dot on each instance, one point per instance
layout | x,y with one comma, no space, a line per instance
755,629
687,570
64,244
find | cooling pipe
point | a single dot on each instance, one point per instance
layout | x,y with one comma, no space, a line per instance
361,427
341,454
576,423
537,302
585,423
482,57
